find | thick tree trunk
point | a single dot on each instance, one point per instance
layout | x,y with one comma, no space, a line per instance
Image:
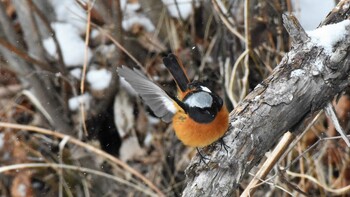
306,79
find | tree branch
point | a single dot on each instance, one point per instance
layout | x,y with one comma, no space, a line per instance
296,89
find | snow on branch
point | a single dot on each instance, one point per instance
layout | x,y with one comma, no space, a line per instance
311,74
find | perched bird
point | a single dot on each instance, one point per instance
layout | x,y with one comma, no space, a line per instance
199,115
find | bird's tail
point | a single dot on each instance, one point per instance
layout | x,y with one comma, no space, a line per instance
177,71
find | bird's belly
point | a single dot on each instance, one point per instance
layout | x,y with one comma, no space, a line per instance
196,134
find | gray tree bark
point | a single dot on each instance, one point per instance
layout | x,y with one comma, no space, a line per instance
296,89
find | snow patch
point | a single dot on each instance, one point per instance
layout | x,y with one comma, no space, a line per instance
257,98
94,33
133,7
129,7
132,17
148,139
317,68
22,189
179,8
319,65
74,102
72,45
70,11
99,79
137,19
76,73
297,73
327,36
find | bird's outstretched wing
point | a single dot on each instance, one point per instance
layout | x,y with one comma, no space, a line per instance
156,98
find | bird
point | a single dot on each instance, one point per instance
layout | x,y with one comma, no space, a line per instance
199,116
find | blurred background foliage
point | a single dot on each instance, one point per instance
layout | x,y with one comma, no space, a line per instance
58,63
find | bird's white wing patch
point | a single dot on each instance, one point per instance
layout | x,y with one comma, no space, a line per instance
205,89
160,103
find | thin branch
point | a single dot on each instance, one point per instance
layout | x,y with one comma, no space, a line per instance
25,56
18,127
109,36
333,116
340,191
269,163
76,168
62,66
220,9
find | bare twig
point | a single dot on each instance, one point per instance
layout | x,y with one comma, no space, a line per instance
333,116
83,73
62,66
86,146
76,168
340,191
220,9
25,56
109,36
269,163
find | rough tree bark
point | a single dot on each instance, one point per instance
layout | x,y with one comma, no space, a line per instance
277,105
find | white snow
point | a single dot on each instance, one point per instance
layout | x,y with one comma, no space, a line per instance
76,73
107,49
148,139
132,7
183,8
257,98
72,45
94,33
99,79
129,7
74,102
22,190
327,36
70,11
2,140
297,73
132,17
123,3
137,19
311,12
153,120
319,65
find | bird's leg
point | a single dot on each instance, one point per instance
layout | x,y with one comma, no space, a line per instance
202,157
223,144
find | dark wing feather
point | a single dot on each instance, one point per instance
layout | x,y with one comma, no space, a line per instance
160,103
177,71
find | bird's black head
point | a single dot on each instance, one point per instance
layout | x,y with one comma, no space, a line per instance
202,104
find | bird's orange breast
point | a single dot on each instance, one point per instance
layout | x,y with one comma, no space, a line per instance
196,134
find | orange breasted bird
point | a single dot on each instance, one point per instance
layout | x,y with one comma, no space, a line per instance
199,115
